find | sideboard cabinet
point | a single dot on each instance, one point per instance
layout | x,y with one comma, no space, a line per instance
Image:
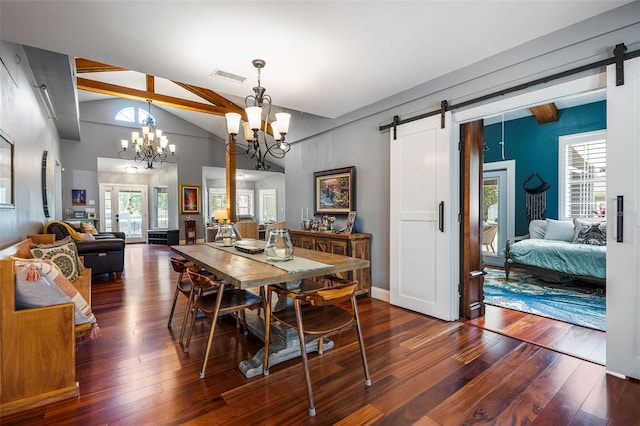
356,245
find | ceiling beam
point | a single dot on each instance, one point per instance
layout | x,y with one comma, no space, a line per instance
86,65
144,95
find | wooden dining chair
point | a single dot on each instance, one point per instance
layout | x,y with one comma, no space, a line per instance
315,314
216,298
183,286
248,229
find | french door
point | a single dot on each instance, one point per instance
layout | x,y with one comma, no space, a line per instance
124,209
421,228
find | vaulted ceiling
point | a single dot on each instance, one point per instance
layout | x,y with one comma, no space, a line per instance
323,58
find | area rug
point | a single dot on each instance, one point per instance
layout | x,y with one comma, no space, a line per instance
573,302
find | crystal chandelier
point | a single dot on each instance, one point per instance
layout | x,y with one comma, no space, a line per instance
151,147
256,128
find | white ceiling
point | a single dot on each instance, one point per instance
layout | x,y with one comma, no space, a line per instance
323,57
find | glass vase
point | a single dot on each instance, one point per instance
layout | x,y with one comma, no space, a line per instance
279,246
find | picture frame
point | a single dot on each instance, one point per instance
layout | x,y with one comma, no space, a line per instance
334,191
7,176
351,223
190,199
77,214
79,197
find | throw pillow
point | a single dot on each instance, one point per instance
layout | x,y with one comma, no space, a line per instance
63,253
40,283
559,230
88,228
537,229
590,231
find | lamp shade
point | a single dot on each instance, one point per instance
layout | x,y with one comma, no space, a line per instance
233,122
274,129
220,214
283,122
254,114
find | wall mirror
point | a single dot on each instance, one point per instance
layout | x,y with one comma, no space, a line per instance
6,172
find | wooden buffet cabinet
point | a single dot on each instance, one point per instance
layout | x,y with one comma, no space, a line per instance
356,245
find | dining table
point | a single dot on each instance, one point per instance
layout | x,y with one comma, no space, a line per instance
252,271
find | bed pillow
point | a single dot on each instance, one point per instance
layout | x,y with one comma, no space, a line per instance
592,231
40,283
559,230
63,253
537,229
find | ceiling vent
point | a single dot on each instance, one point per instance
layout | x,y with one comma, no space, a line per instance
228,76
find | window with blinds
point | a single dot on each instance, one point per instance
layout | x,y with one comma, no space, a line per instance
268,205
583,169
244,200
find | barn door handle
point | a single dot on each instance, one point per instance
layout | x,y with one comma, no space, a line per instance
620,213
441,216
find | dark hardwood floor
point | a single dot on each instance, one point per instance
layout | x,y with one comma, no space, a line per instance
424,371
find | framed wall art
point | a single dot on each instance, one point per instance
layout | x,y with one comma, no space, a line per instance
351,223
79,197
334,191
190,199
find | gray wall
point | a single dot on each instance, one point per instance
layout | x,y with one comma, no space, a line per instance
354,139
23,119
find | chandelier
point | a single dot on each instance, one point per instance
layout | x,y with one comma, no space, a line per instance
256,128
151,147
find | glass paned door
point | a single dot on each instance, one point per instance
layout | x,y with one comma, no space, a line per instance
494,214
124,209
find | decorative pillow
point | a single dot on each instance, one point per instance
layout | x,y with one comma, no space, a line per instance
559,230
537,229
75,224
88,228
63,253
40,283
86,237
590,231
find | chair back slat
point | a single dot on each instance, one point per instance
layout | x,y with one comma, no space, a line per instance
178,265
201,281
329,295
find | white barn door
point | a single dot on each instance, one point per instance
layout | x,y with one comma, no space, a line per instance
420,225
623,258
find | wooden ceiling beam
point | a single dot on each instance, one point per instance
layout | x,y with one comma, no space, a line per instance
547,113
211,96
142,95
151,83
86,65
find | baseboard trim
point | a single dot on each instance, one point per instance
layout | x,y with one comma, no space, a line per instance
380,294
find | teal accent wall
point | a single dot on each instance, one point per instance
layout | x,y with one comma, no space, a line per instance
534,147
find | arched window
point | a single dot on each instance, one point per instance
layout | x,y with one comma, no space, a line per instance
128,115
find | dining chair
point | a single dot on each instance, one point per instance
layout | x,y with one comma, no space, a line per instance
183,286
216,298
315,314
248,229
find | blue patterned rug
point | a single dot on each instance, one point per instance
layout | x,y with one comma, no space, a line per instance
573,302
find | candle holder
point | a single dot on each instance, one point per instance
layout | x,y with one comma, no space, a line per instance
279,246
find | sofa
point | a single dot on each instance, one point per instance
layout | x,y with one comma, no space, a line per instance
103,252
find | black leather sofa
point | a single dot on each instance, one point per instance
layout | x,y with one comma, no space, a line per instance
104,254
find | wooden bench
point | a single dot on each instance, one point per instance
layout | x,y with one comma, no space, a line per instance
37,345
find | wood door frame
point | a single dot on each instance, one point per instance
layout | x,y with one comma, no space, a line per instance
471,180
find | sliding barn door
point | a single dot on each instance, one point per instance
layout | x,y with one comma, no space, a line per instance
420,231
623,221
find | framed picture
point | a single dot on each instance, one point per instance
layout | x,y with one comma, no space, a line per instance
6,172
79,215
79,197
189,199
351,223
334,191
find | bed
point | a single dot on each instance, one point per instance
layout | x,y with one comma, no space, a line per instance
561,249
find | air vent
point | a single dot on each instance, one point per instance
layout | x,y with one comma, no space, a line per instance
228,76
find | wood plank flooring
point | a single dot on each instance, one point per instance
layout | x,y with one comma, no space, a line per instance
424,371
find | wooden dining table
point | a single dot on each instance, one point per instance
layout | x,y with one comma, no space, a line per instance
246,273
